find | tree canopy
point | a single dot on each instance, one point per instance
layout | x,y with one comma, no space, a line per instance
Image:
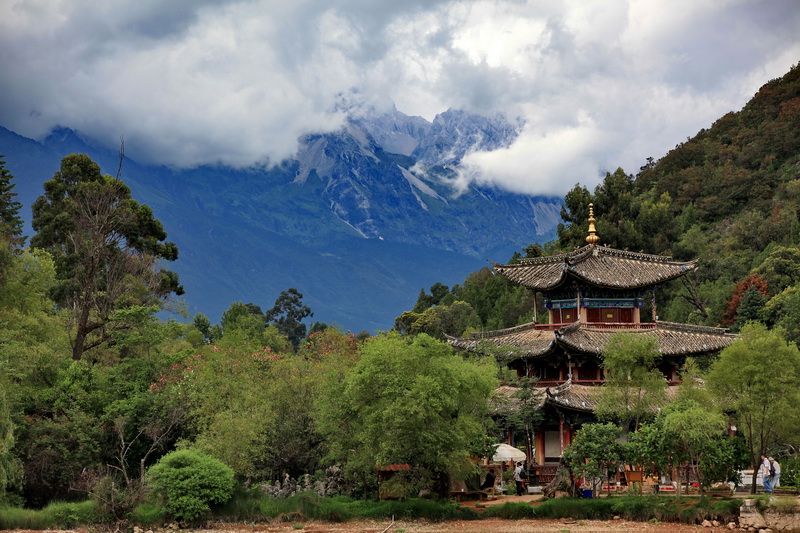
105,245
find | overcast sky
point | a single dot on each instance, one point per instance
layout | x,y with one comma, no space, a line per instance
599,84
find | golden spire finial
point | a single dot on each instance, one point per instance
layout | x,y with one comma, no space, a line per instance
592,238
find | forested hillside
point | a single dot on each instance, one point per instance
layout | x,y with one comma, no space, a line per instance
729,196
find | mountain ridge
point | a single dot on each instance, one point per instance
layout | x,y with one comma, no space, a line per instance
356,228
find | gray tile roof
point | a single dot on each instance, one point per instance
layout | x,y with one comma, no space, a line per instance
597,265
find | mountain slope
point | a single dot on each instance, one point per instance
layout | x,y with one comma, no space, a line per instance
351,225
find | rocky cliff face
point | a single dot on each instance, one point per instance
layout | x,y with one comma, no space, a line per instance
389,176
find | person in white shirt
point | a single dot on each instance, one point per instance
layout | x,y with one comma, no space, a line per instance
518,479
765,472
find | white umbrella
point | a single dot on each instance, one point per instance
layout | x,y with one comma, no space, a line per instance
504,453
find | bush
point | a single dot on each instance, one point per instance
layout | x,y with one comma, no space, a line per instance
188,481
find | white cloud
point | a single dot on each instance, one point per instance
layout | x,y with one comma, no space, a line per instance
600,84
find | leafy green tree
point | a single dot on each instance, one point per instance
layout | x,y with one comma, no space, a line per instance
691,429
596,452
203,325
227,391
287,314
783,311
105,245
408,400
9,464
757,380
687,434
10,220
246,318
780,269
633,388
522,412
439,320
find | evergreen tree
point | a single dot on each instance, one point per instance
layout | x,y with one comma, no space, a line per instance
287,314
750,308
10,221
105,246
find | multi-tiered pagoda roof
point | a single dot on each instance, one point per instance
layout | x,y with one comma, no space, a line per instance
591,293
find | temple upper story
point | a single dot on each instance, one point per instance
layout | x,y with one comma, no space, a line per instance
591,294
595,284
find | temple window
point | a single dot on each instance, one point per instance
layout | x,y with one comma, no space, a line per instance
588,372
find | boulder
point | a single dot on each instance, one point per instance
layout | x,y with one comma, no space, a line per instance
749,516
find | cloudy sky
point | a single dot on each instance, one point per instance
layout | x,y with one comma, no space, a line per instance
599,84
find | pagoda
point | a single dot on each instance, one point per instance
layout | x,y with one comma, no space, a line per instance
590,294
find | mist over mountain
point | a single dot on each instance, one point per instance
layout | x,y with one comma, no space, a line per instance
358,221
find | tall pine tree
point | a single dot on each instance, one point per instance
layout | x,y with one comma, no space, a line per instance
10,221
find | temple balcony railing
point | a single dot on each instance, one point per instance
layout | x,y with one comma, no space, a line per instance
601,325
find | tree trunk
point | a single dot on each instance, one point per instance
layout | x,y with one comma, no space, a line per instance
563,476
81,330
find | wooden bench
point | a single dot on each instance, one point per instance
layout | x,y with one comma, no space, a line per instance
460,495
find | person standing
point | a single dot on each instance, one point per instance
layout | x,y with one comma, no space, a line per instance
765,471
518,477
775,479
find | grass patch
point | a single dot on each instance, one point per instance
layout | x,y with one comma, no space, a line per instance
341,509
16,518
148,514
510,511
56,514
783,504
577,508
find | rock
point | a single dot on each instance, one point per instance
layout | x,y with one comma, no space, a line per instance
715,523
137,529
706,523
616,517
749,515
731,525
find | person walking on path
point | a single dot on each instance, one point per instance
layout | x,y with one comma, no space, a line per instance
518,478
765,471
775,479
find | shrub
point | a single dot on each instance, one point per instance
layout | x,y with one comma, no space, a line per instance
188,481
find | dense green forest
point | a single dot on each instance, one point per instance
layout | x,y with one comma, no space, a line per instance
96,388
729,197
